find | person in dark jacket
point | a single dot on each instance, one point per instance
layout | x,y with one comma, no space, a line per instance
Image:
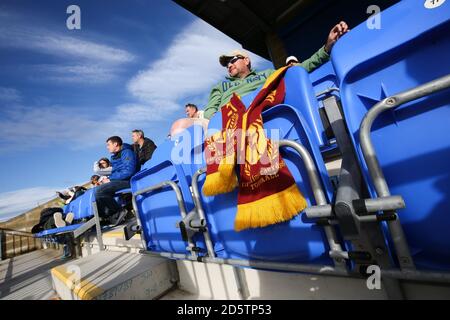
143,147
123,162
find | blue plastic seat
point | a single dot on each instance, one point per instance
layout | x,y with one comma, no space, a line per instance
158,210
324,79
123,191
81,208
296,241
54,231
121,197
301,96
85,201
411,142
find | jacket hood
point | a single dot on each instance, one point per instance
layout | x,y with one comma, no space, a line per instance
126,146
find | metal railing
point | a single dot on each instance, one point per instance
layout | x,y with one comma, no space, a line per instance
14,243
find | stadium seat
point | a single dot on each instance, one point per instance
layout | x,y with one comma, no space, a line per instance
82,209
296,241
411,141
158,210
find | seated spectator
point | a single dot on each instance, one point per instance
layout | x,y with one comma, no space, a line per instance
242,79
77,191
143,147
71,194
51,218
194,116
102,167
46,220
64,196
124,164
60,221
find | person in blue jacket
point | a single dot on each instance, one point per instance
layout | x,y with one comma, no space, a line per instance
123,162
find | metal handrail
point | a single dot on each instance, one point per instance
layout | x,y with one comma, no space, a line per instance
5,250
201,213
17,232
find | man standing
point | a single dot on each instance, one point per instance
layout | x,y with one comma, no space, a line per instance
242,79
123,162
143,147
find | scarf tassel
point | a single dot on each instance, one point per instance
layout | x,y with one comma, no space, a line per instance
222,181
275,208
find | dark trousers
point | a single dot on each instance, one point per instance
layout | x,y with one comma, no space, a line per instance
104,195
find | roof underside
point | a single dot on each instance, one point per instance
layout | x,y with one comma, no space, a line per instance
250,21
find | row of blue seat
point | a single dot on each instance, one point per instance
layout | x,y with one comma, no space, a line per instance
411,144
83,209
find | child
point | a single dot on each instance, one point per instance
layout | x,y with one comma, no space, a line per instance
96,180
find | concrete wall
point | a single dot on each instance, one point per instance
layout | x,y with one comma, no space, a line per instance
212,281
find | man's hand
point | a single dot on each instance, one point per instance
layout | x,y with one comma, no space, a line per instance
338,31
106,180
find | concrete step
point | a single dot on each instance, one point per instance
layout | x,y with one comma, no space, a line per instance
109,275
27,277
113,240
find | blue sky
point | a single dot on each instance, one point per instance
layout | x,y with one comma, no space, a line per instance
134,64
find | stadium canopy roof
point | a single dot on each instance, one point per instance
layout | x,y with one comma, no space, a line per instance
274,29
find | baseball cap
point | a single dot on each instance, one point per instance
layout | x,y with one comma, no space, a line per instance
225,58
291,58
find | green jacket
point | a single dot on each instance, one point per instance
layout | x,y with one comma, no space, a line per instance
224,90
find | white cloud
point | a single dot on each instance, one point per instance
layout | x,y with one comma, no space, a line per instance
81,61
9,95
50,125
44,41
16,202
81,74
189,67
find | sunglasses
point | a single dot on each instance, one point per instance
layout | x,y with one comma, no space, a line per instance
234,59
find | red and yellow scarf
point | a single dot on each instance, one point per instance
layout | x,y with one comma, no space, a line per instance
268,193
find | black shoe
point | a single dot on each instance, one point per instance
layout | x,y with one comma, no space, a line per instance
104,221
